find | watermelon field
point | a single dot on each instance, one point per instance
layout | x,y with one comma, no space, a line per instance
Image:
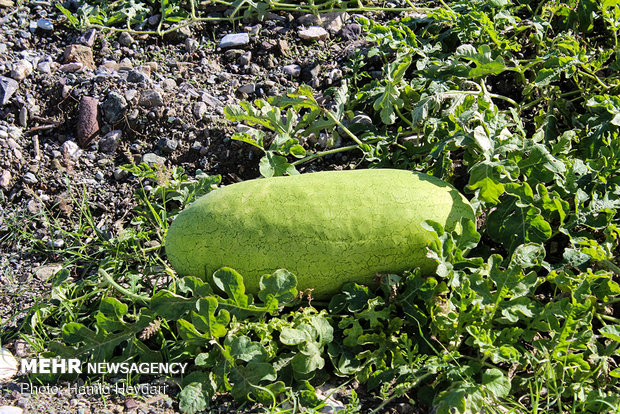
490,284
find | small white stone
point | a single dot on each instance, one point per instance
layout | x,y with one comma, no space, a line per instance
8,365
21,70
71,149
314,33
7,409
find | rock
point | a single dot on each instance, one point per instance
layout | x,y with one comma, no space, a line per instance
248,88
44,66
87,38
292,70
311,71
309,20
211,100
71,67
8,87
45,24
88,123
245,59
5,179
109,143
200,108
179,35
168,84
71,150
153,159
191,45
154,20
125,39
45,272
21,70
351,31
234,40
130,94
120,174
114,107
151,98
333,21
30,178
23,116
167,145
137,76
7,409
79,54
313,33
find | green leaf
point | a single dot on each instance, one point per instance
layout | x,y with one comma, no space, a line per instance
496,382
206,321
192,399
280,286
611,332
230,281
272,165
171,306
244,349
291,336
245,379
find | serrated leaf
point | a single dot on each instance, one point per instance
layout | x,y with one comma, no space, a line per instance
192,398
171,306
204,318
280,286
231,282
246,378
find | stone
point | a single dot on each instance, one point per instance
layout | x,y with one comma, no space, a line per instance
8,365
154,19
44,66
8,87
114,107
333,21
45,24
168,84
179,35
109,143
45,272
313,33
5,179
167,145
200,109
125,39
79,54
71,149
245,59
88,123
234,40
21,70
30,178
351,31
87,38
292,70
211,100
23,116
71,67
191,45
137,76
120,174
153,159
248,88
311,71
151,98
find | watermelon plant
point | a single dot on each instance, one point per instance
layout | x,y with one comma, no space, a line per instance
512,102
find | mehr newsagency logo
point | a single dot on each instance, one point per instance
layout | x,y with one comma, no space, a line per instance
75,366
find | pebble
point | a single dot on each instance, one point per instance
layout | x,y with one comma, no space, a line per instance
29,178
153,159
79,54
167,145
151,98
21,70
120,174
191,45
7,409
71,149
114,107
333,21
88,124
45,272
168,84
245,58
248,88
99,176
137,76
45,24
8,87
313,33
71,67
44,66
56,244
15,132
154,20
351,31
211,100
5,179
234,40
125,39
109,143
23,116
292,70
200,109
88,38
